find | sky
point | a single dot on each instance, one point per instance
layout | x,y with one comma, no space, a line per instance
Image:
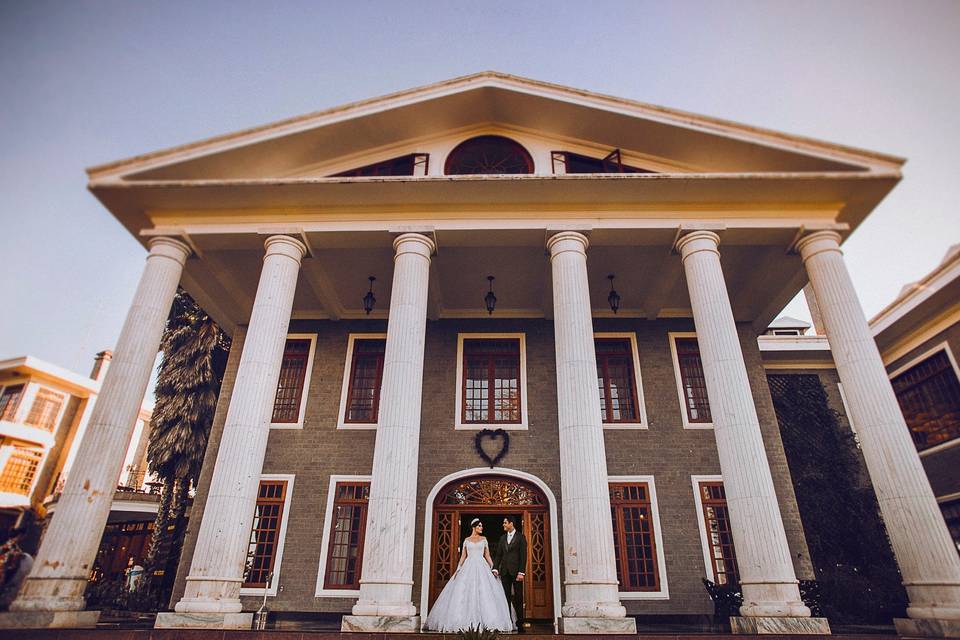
82,83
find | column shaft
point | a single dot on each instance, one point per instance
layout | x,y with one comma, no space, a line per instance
590,575
921,542
216,571
770,587
63,563
387,578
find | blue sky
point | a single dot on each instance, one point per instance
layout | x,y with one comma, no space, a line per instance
88,82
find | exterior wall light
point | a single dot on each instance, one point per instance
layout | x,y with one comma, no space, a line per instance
613,297
369,300
490,299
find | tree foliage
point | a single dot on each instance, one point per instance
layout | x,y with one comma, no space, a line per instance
849,548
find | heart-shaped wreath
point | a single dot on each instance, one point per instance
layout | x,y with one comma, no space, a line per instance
493,435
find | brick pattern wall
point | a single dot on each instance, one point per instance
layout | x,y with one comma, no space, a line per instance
667,451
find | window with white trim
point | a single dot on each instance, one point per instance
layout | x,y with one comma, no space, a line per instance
45,409
491,381
293,384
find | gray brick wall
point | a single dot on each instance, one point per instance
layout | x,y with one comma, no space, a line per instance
667,451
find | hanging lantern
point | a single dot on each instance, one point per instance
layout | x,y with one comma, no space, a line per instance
613,297
369,300
490,299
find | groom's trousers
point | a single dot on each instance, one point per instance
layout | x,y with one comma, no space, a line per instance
514,592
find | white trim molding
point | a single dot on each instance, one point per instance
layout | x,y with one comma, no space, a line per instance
701,523
320,592
345,382
637,381
458,409
485,471
664,592
929,353
281,535
672,339
301,416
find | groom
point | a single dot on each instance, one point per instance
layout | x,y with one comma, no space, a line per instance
510,562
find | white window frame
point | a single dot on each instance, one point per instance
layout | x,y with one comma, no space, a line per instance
664,592
281,535
523,425
320,592
25,408
637,381
15,382
301,416
701,523
672,338
345,383
929,353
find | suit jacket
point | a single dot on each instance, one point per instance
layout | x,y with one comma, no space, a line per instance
511,559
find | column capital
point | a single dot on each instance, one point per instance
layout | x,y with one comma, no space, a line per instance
414,243
567,241
286,246
695,241
169,247
818,242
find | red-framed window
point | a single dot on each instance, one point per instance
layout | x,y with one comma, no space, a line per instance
634,538
10,401
694,385
616,380
265,533
347,528
366,375
491,381
293,371
929,397
716,519
20,470
45,409
407,165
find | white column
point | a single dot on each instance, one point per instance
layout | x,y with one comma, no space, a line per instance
590,574
63,563
387,576
921,542
770,587
212,594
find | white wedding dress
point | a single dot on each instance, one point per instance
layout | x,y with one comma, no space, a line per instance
473,597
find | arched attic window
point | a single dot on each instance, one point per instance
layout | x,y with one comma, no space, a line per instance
488,155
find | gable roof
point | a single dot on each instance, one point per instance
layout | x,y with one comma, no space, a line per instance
488,95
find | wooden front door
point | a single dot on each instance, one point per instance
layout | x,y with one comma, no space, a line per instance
491,498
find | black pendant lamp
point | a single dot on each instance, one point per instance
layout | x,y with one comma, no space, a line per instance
369,300
490,299
613,297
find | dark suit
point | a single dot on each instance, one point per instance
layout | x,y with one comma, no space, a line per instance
511,559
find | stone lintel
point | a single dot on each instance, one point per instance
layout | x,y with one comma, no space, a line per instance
382,624
927,627
174,620
49,619
597,626
762,625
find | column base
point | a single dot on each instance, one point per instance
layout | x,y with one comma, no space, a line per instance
383,624
763,625
49,619
175,620
927,627
597,626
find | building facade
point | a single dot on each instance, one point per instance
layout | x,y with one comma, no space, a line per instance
494,296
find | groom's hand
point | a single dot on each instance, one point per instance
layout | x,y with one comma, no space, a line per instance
519,577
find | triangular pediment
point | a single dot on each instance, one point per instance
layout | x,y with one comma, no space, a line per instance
545,117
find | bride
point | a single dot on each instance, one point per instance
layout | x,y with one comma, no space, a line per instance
473,597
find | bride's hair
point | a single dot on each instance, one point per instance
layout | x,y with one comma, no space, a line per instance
475,522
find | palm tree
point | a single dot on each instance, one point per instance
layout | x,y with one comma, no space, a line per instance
188,382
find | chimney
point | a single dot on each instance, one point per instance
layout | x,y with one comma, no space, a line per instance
100,364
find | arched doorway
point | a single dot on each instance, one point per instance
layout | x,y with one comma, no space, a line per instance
490,496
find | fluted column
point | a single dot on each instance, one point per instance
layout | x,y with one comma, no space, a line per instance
212,594
921,542
770,587
386,582
592,602
63,563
